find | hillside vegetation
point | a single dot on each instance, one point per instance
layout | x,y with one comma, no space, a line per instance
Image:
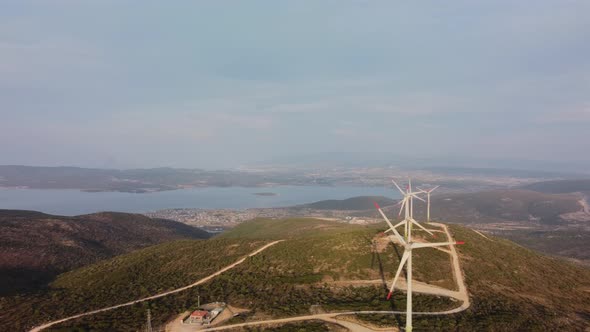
573,243
516,289
354,203
126,277
34,247
512,288
290,282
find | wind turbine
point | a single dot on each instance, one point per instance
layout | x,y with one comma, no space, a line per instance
427,192
407,202
409,245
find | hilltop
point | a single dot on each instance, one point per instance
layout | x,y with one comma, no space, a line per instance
330,266
354,203
502,205
34,247
560,186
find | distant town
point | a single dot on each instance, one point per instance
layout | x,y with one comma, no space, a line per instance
218,220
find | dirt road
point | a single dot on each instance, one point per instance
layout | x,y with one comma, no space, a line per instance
199,282
584,203
460,295
419,287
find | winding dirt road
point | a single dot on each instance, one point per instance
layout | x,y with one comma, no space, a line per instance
199,282
460,295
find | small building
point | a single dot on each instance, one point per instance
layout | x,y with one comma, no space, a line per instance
198,317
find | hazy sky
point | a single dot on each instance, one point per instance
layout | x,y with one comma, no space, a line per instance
222,83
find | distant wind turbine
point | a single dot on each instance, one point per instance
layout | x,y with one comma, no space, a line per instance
427,192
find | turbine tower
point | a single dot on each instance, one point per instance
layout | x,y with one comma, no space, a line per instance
427,192
409,245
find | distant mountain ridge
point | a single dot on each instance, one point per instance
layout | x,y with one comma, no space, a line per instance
507,205
354,203
35,246
560,186
131,180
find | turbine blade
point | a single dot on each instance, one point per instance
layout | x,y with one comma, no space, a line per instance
399,237
399,223
402,207
431,190
418,224
399,270
432,245
415,196
398,188
396,233
389,223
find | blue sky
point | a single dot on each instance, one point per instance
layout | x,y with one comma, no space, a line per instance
225,83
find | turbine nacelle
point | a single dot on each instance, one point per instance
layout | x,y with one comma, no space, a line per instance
427,191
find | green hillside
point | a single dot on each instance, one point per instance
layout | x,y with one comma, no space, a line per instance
35,247
317,265
123,278
354,203
571,243
514,288
273,229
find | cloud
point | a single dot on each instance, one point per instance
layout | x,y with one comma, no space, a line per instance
405,104
257,122
27,61
574,115
310,76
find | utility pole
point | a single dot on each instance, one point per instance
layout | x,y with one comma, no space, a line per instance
148,327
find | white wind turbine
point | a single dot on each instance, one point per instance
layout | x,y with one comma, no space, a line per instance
409,245
427,192
408,203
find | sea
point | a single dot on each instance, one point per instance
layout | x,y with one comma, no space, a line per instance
70,202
